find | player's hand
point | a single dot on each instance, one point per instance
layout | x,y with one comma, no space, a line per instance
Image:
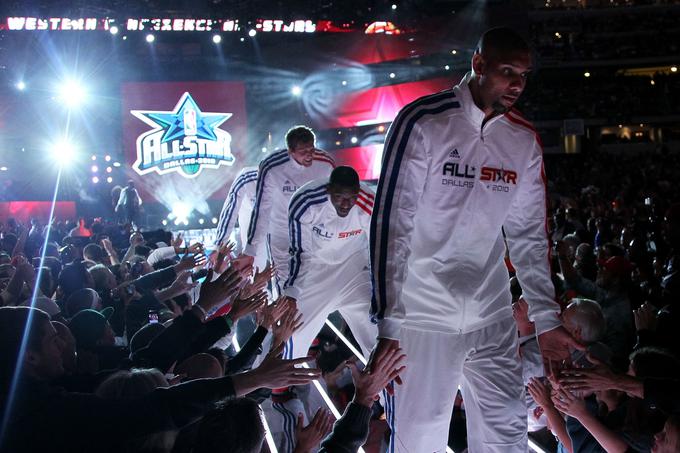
287,326
275,372
369,383
556,346
382,350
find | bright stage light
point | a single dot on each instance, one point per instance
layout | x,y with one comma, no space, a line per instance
63,152
674,69
354,140
586,74
95,179
214,220
381,128
447,67
3,168
252,33
296,90
243,39
94,157
394,6
181,210
116,164
186,222
150,38
217,39
109,169
164,222
264,149
107,158
344,83
109,180
392,75
113,30
95,169
201,221
21,86
72,93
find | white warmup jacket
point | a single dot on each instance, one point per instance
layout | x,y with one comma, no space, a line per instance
238,205
320,238
278,178
448,188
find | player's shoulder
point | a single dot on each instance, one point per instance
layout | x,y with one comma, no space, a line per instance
276,158
366,199
442,100
247,173
312,193
515,120
323,157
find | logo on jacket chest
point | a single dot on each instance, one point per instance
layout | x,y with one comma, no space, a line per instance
321,231
289,187
458,174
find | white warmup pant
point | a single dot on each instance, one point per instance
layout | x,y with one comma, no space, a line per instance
345,287
486,364
280,257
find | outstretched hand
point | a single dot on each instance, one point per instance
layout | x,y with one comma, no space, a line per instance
556,346
309,437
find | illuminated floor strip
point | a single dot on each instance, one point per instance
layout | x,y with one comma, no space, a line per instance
328,401
268,435
535,447
348,343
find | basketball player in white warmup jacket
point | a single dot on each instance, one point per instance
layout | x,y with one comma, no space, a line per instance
460,169
279,176
328,221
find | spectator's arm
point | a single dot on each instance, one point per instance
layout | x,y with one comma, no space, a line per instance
161,253
158,279
237,363
21,242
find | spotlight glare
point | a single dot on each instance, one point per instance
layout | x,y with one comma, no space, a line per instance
164,222
113,30
217,39
381,128
116,164
264,149
243,39
674,69
95,179
63,152
214,220
252,33
107,158
21,86
354,140
150,38
344,83
296,90
201,221
394,6
185,222
392,75
447,67
94,157
95,169
109,169
586,74
72,93
3,168
176,222
109,180
124,38
454,51
181,210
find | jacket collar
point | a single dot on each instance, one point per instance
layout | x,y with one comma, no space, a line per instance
473,113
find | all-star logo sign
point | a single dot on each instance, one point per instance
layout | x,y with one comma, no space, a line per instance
185,140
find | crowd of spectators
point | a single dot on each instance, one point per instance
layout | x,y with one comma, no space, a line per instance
613,97
615,228
117,340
